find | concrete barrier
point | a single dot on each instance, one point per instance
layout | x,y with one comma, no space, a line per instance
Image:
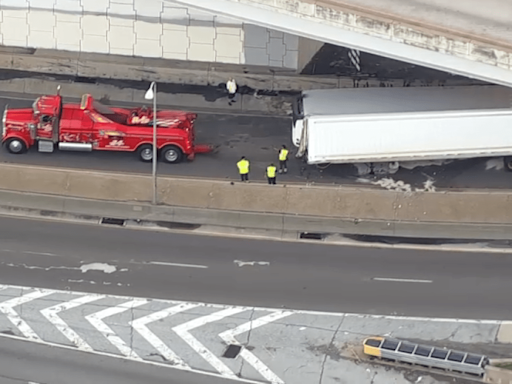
335,202
268,225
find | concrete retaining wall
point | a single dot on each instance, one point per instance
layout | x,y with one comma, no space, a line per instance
143,28
315,201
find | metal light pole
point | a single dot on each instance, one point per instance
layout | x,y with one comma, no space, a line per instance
151,95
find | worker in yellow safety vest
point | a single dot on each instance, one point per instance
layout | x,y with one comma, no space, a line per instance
243,168
271,173
283,159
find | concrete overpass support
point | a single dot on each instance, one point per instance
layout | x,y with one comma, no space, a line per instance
470,38
144,28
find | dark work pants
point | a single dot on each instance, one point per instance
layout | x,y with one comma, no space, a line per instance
283,165
244,177
271,180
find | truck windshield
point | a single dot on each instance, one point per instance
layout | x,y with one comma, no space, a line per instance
109,113
103,109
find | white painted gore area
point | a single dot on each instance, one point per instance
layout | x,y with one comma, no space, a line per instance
278,345
145,28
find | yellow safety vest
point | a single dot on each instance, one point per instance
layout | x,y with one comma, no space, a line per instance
271,171
243,167
283,154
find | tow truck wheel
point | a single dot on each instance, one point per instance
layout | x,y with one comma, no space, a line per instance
15,146
172,154
145,153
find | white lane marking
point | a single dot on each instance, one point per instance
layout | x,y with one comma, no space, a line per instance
182,331
298,312
140,326
178,265
250,263
229,337
39,253
96,319
51,314
402,280
7,307
37,267
81,281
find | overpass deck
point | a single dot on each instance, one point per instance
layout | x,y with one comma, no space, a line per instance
487,21
470,38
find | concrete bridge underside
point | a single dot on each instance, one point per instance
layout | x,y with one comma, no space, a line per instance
471,38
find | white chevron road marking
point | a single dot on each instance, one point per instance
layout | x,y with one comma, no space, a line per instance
51,314
7,307
182,331
18,310
96,319
229,337
140,326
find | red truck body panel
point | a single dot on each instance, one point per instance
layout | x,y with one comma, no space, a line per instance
104,128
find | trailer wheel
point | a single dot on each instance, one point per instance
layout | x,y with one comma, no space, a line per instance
145,153
508,163
15,146
172,154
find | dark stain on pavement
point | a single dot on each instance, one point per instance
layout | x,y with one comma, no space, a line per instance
211,92
334,60
427,241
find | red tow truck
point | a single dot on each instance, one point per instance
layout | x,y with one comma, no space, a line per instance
92,126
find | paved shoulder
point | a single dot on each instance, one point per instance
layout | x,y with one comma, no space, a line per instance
231,342
28,363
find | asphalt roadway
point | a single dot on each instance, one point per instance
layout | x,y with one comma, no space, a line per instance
25,362
285,275
258,138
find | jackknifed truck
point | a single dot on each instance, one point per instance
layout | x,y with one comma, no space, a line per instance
393,125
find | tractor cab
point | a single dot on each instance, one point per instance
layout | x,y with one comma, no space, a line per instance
47,113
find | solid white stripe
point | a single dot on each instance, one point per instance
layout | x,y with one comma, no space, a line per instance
298,312
178,265
7,308
51,314
182,331
140,326
229,338
96,319
402,280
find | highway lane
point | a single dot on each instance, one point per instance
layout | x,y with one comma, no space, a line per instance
23,362
258,138
273,274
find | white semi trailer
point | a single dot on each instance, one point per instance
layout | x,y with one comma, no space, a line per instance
391,125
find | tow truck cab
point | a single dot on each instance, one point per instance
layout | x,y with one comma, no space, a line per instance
24,126
91,125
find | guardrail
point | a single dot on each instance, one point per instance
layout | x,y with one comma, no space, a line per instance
431,357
